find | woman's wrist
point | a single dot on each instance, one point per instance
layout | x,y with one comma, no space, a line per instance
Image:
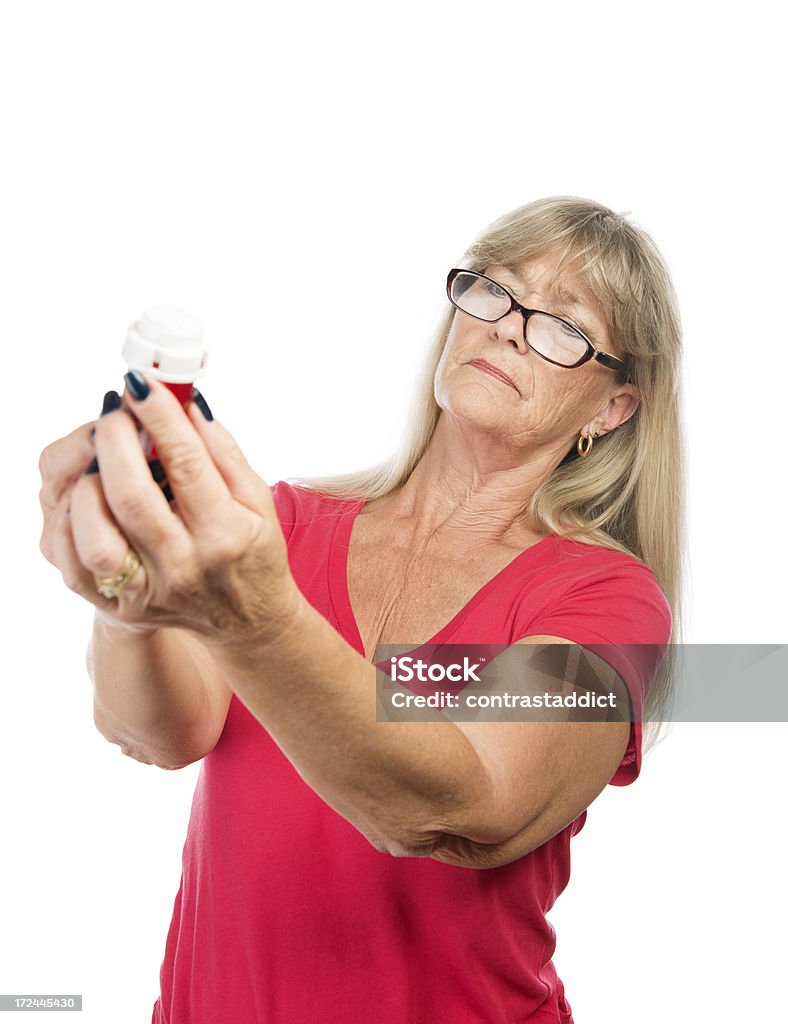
119,632
284,628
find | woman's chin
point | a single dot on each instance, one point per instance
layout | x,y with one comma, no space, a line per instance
470,416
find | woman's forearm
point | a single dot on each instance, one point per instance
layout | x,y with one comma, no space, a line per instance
157,694
403,784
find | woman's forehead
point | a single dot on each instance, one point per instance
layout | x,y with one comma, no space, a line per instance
542,276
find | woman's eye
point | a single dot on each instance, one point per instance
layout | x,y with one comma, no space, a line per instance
573,332
495,290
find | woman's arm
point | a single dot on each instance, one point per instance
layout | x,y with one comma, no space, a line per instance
158,695
473,794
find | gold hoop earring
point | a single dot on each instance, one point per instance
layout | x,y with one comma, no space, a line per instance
584,444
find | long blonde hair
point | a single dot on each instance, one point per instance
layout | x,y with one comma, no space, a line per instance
629,495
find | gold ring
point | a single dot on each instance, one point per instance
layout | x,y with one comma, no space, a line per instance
111,586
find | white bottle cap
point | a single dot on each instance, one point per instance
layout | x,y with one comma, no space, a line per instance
167,344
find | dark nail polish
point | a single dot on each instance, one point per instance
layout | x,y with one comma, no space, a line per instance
111,402
167,492
93,467
137,385
158,471
201,404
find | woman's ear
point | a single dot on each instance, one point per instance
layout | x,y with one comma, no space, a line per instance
622,406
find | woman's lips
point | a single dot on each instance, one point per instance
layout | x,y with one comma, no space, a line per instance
493,371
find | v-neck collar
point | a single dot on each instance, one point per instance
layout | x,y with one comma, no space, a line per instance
340,591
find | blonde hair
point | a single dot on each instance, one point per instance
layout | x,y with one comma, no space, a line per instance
629,495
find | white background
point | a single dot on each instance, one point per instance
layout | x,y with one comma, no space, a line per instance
271,169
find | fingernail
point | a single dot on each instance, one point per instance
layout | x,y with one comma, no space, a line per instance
137,385
167,492
158,472
92,467
111,403
201,404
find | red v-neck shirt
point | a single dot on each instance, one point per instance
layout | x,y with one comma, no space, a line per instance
287,915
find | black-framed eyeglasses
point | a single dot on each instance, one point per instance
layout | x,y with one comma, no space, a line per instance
549,336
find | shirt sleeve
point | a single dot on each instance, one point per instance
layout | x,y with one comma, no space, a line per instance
617,610
286,503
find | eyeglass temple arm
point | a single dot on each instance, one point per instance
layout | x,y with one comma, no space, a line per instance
612,362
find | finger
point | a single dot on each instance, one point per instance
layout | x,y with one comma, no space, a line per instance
241,480
133,497
64,556
196,483
98,542
53,523
63,462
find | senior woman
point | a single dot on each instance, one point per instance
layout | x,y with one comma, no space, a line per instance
336,867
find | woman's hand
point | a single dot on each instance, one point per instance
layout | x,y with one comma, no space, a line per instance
215,563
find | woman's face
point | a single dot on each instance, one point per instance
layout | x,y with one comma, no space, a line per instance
543,405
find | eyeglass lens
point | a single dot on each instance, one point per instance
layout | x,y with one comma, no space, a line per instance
549,337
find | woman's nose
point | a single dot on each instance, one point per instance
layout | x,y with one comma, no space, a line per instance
511,330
